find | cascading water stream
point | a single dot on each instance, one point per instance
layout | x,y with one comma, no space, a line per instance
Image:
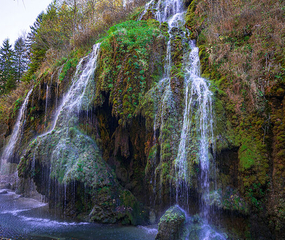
147,6
66,118
197,123
75,98
9,149
46,107
197,96
172,12
53,145
197,115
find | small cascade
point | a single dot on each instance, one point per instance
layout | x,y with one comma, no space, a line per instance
9,149
46,106
170,11
57,87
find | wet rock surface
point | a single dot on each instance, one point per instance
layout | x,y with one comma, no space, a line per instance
171,224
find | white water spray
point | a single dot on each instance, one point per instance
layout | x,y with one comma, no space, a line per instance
75,98
197,115
9,149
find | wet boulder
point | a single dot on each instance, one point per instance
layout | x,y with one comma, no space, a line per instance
171,224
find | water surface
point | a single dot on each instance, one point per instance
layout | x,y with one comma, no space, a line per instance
25,218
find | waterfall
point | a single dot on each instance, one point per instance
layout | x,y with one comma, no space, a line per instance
54,145
197,115
16,133
173,13
75,99
7,175
196,136
197,123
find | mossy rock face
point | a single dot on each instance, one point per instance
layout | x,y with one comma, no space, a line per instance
116,205
131,67
130,62
171,224
249,104
229,199
66,161
60,161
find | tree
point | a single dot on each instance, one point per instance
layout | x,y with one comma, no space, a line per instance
7,67
21,58
36,48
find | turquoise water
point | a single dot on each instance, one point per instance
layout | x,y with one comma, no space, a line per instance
24,218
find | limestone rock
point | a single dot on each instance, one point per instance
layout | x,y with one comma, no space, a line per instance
171,224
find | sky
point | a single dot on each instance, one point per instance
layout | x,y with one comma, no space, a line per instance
16,17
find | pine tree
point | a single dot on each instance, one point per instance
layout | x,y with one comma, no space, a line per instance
21,58
31,38
7,67
35,50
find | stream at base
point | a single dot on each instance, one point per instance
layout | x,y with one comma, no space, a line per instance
25,218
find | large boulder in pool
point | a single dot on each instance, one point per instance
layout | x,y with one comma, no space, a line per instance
171,224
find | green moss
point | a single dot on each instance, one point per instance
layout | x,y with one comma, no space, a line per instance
17,105
125,65
133,210
165,168
247,155
193,20
70,63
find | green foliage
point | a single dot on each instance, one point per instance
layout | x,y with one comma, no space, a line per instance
37,49
7,68
17,105
68,25
193,20
237,56
60,62
125,54
70,63
21,57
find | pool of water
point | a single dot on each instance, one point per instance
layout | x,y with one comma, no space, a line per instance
25,218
